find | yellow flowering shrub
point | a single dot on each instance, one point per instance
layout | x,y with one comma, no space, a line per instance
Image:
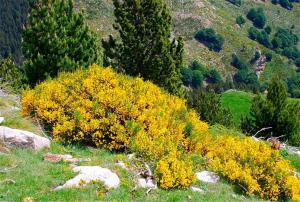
173,172
253,165
100,107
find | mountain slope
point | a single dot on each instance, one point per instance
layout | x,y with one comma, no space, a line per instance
191,15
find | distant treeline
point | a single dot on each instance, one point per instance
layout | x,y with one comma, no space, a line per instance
13,14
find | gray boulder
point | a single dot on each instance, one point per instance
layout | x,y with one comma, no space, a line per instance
22,139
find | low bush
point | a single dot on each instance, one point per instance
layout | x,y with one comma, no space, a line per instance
253,166
258,17
240,20
174,172
105,109
284,38
211,39
236,2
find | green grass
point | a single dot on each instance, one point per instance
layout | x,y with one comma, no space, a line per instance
36,179
295,161
238,102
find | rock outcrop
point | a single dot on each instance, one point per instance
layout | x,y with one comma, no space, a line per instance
22,139
89,174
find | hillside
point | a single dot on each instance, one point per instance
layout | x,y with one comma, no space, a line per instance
206,111
191,15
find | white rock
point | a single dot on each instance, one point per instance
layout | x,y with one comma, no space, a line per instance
131,156
1,119
121,164
92,173
196,189
22,139
207,176
291,149
146,183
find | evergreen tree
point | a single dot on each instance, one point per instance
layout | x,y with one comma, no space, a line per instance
10,75
276,112
209,107
56,39
144,47
13,15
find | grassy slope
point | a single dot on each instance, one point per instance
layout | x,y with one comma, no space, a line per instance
36,178
191,15
238,102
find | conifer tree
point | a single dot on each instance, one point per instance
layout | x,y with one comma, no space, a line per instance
144,47
274,111
56,39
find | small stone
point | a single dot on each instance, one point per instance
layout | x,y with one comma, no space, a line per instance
131,156
146,183
1,119
207,176
55,158
88,174
121,164
196,189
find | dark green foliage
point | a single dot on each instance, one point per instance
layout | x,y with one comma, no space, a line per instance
297,62
213,76
236,2
194,75
209,38
291,52
240,20
238,62
13,14
195,65
246,79
287,4
192,78
284,38
144,47
269,56
293,84
258,17
275,111
260,36
187,76
10,75
56,39
268,29
197,79
209,107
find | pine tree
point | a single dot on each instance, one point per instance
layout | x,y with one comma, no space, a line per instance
209,107
56,39
144,48
274,111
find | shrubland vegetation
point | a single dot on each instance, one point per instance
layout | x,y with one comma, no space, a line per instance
165,134
258,17
211,39
119,108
